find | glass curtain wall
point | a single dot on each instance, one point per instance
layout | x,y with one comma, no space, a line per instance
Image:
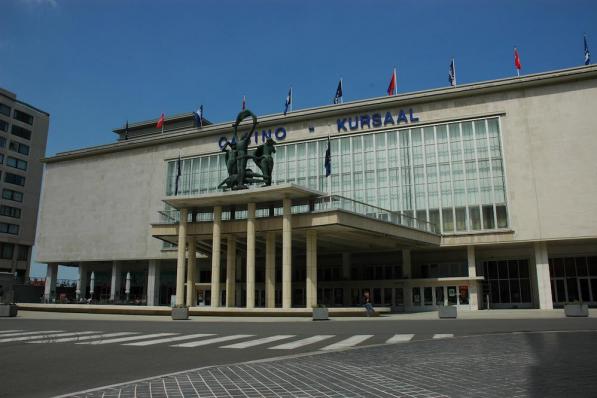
449,174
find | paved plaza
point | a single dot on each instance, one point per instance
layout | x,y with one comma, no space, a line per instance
542,364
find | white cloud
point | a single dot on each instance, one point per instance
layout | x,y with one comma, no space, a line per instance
51,3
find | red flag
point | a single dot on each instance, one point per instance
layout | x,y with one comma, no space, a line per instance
160,123
244,103
517,63
392,86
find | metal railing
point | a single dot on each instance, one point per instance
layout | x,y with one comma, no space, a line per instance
326,203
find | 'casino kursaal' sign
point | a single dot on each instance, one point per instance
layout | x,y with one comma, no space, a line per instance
352,123
376,120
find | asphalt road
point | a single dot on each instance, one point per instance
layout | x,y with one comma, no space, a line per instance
51,368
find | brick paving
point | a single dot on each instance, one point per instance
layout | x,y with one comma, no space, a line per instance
506,365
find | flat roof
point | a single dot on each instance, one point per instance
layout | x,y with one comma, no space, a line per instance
273,193
505,84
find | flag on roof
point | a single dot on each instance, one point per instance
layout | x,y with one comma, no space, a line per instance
244,103
126,130
338,97
198,115
288,101
160,123
393,87
452,73
517,63
587,52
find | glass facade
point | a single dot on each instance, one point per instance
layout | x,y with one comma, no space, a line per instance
449,174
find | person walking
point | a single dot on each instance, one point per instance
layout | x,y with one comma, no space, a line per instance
367,304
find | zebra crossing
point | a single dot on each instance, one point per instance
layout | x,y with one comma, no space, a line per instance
284,342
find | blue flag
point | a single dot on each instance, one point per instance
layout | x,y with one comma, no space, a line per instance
587,53
178,174
328,160
288,101
198,115
452,74
126,130
338,97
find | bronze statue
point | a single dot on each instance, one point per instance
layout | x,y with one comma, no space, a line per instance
237,157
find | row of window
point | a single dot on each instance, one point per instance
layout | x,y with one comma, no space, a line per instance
9,211
18,115
7,228
9,194
16,130
7,251
14,179
14,146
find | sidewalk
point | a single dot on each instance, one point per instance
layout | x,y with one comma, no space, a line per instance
466,315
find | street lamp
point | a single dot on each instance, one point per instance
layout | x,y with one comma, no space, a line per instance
91,286
127,288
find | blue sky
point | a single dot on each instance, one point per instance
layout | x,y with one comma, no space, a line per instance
94,64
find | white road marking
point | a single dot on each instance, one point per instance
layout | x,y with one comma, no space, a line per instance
302,342
169,339
31,333
349,342
214,340
45,336
8,331
265,340
443,336
400,338
121,339
79,338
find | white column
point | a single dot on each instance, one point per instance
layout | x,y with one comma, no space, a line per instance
231,271
251,255
153,282
542,276
406,264
180,261
473,291
82,281
215,257
287,254
50,286
270,270
311,268
116,281
191,272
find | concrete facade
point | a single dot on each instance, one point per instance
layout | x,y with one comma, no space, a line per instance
547,141
23,137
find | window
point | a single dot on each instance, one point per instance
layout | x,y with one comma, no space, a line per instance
508,281
9,211
6,228
14,179
5,109
3,125
1,160
22,253
23,117
21,132
18,147
16,163
6,251
9,194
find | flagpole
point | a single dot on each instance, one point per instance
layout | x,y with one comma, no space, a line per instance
395,83
454,65
291,100
342,96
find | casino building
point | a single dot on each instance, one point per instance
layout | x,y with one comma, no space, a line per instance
481,195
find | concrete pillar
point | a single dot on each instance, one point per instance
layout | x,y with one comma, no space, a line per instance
153,282
311,256
116,281
270,270
82,281
251,255
231,271
542,278
406,264
50,286
287,254
191,272
215,257
473,291
239,271
181,259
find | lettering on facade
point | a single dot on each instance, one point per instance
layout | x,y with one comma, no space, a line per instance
376,120
278,134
